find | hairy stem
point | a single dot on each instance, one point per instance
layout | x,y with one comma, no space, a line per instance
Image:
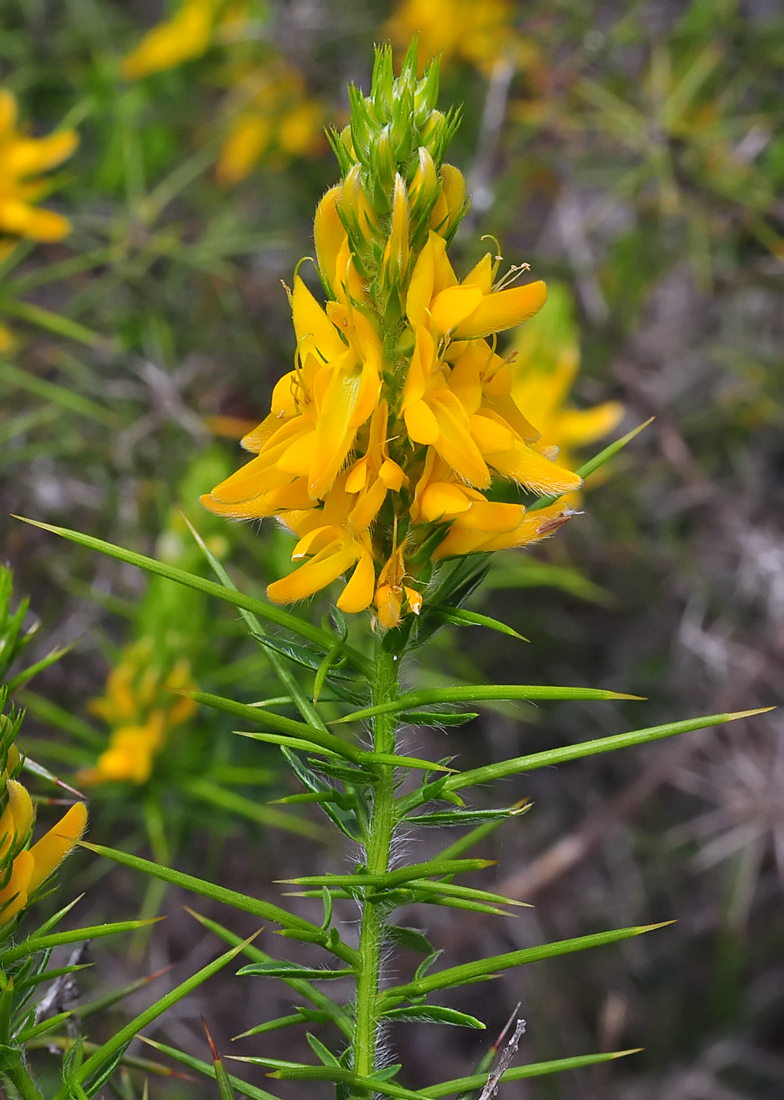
377,857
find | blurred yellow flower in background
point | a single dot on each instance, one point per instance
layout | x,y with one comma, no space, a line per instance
477,31
186,35
279,118
22,158
141,706
543,372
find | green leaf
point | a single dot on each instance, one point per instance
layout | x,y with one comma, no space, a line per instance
59,395
461,617
316,996
595,462
518,571
55,322
245,1089
587,748
465,817
115,1046
63,719
302,1016
478,693
113,996
437,718
412,939
520,1073
434,1014
280,723
295,1071
254,811
390,879
221,1076
283,969
191,580
308,712
482,969
325,1056
27,674
263,909
75,935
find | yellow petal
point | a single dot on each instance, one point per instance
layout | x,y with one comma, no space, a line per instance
314,575
17,818
358,593
453,305
443,501
13,896
312,325
392,475
298,456
334,434
358,476
535,472
490,436
481,275
55,845
454,189
454,442
329,234
503,309
420,288
421,423
491,516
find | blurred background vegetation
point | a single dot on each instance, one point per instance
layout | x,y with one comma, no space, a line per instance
633,154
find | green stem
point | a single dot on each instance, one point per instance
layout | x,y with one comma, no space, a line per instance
23,1082
378,846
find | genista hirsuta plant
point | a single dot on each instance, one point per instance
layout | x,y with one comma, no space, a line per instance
379,454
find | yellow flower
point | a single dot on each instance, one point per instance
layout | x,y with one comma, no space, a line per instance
543,371
478,31
25,869
280,118
398,414
141,706
21,159
186,35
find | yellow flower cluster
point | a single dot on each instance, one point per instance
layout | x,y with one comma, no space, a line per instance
23,869
276,114
141,708
279,118
385,438
478,31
